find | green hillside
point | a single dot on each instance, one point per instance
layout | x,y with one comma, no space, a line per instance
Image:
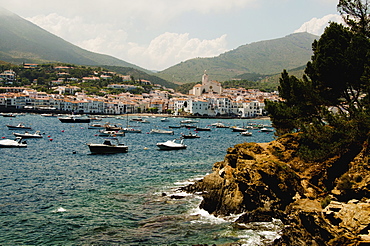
264,57
22,41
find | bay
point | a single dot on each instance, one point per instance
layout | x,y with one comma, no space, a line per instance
55,192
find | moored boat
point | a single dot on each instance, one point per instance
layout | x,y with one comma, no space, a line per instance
202,129
238,129
131,130
28,135
265,129
109,146
17,143
19,126
190,135
74,119
172,145
96,126
104,133
219,125
246,133
160,131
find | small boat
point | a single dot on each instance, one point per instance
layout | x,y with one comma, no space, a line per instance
105,133
109,127
28,135
219,125
189,126
159,131
246,133
137,119
190,135
48,115
131,130
188,121
9,115
238,129
165,119
202,129
17,143
265,129
172,145
109,146
96,126
74,119
19,126
145,121
174,126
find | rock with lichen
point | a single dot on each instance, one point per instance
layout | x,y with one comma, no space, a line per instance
320,203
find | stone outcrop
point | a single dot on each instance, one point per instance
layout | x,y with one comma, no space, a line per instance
326,203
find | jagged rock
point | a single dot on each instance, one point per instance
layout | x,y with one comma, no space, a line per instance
269,180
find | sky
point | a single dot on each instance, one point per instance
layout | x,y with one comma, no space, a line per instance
157,34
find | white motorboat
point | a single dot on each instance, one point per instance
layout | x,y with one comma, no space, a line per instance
48,115
28,135
190,135
172,145
188,121
265,129
17,143
238,129
246,133
219,125
109,146
105,133
165,119
160,131
19,126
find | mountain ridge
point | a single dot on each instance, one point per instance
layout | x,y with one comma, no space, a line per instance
262,57
23,41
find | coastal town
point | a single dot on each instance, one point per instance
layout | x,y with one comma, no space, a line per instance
207,99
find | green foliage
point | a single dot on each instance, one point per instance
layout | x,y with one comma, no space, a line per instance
184,88
356,15
330,105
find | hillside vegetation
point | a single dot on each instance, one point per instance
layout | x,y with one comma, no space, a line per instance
264,58
22,41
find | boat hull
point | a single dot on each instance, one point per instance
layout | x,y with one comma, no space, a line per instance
104,149
165,147
7,143
74,120
161,132
27,135
18,127
202,129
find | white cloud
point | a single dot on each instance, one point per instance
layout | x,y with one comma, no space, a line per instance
161,52
316,26
171,48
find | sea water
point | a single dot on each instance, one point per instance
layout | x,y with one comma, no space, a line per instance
55,192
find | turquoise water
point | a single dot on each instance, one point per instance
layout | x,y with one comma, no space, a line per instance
54,192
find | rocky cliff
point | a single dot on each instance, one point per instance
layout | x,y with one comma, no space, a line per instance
326,203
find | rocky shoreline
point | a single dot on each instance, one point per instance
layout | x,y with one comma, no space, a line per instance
325,203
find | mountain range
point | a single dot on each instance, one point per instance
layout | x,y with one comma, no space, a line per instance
22,41
263,58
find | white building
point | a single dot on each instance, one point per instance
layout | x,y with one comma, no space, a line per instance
207,86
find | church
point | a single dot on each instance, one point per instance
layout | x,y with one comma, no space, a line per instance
206,87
